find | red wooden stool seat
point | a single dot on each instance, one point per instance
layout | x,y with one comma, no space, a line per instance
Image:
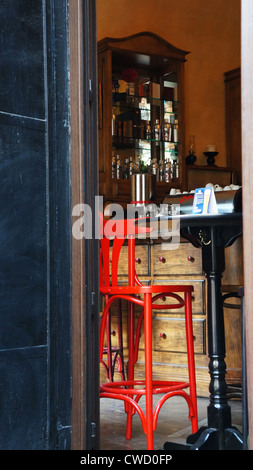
130,391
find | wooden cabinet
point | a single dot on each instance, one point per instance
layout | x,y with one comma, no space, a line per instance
232,279
142,261
141,113
169,335
182,266
233,121
182,261
199,175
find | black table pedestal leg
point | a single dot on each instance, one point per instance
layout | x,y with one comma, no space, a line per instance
219,434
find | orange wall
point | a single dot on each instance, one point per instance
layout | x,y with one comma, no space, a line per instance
210,30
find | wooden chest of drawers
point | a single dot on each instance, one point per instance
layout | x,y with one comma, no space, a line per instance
157,265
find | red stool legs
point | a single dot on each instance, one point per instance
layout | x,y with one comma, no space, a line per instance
191,361
148,369
127,391
131,315
129,409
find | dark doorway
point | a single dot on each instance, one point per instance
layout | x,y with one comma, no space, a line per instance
35,235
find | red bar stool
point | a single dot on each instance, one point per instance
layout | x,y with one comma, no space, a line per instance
130,391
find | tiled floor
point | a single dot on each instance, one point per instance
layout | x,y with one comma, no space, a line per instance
173,424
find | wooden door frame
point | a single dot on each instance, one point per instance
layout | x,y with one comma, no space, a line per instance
247,174
78,260
84,181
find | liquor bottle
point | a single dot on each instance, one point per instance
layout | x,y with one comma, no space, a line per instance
157,131
161,171
113,124
175,131
177,170
118,168
154,168
171,135
113,167
174,169
125,169
131,167
137,164
167,172
148,131
166,129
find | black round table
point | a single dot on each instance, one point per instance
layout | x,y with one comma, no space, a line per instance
213,233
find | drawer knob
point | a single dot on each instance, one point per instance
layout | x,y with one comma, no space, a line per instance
163,335
162,259
190,258
138,260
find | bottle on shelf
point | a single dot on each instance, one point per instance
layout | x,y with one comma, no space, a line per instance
171,127
166,131
131,167
167,172
113,167
157,132
118,168
155,169
137,164
161,170
148,131
125,169
175,169
175,131
171,134
113,124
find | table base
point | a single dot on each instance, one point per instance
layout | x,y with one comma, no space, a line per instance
210,439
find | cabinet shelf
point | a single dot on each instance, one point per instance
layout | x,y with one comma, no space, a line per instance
134,101
142,144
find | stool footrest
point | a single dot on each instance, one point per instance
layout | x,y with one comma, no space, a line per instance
126,392
127,387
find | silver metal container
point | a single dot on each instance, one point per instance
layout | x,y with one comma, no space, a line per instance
143,188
